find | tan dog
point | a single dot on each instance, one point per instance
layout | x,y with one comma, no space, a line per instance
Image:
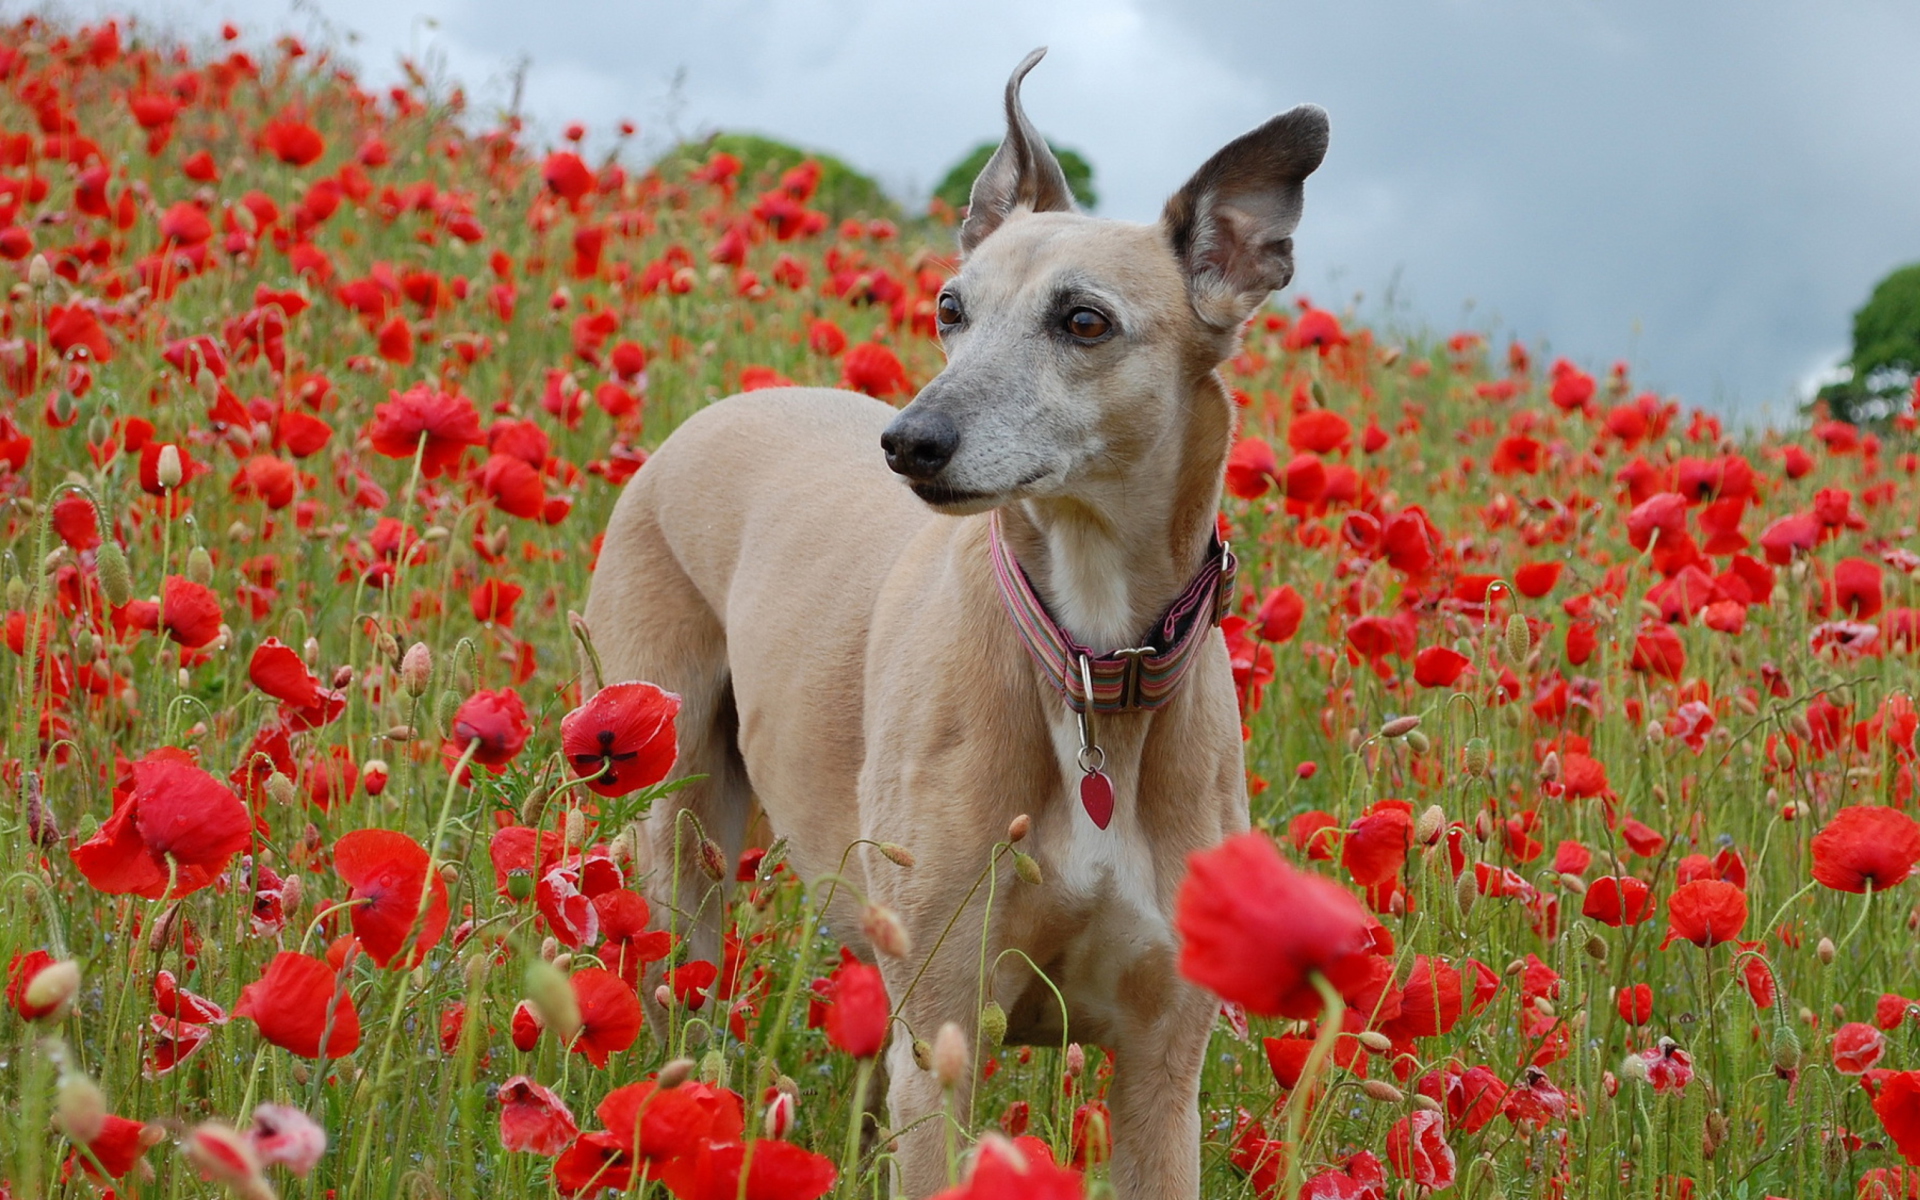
848,663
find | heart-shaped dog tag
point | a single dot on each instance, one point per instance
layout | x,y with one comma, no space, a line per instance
1096,794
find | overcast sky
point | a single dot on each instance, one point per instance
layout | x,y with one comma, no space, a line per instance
1706,189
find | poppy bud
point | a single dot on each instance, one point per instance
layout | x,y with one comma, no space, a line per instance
50,991
1550,767
553,998
200,566
1374,1040
563,961
1466,890
373,776
675,1072
1573,883
1825,951
993,1024
951,1061
663,996
1381,1090
223,1156
1478,757
1076,1060
712,860
1518,639
1419,742
1019,827
533,807
167,470
576,837
280,789
16,593
39,273
778,1121
1427,830
1597,948
1027,869
1423,1101
922,1054
1785,1049
897,854
116,579
1545,1006
713,1069
399,733
884,929
1400,727
1483,826
416,670
79,1108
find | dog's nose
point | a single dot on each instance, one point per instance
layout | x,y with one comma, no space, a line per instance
919,445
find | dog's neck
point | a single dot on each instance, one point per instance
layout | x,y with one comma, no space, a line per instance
1110,559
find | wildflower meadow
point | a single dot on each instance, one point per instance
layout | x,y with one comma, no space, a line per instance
1579,728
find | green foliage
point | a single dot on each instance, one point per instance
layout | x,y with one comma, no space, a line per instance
1886,351
958,184
843,192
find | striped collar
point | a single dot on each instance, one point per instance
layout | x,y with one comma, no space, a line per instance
1143,677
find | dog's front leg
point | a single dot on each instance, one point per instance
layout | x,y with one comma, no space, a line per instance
919,1107
1155,1096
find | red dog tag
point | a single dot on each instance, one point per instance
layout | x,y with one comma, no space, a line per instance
1096,793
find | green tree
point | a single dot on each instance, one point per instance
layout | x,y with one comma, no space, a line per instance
958,184
1881,370
843,191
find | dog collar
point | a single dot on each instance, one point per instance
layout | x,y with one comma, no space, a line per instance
1143,677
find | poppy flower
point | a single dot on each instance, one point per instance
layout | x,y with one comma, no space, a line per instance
189,612
567,175
769,1169
1251,468
446,423
1866,845
1280,614
1667,1067
1657,650
1857,1047
1438,666
493,601
622,738
180,1004
494,723
1318,431
1618,900
1898,1107
1535,579
293,141
117,1148
1376,847
857,1016
1856,587
298,1002
276,670
34,1004
177,819
646,1126
1635,1002
1254,929
1431,1000
1417,1147
1706,912
386,874
533,1119
873,368
610,1016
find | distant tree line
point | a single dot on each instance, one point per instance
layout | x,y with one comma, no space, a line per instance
1878,377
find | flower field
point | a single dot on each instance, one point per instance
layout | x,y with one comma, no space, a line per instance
1580,734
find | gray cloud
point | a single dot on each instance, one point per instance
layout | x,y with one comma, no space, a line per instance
1706,190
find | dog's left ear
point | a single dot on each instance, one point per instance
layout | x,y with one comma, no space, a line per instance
1231,226
1023,173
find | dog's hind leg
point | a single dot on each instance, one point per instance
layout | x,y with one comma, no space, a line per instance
649,622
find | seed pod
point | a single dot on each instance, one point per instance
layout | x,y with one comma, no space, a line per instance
1597,948
416,670
1785,1048
167,470
713,860
1381,1090
281,791
1478,757
1026,868
1466,890
520,884
1825,951
951,1061
1374,1041
200,566
922,1054
1432,823
993,1024
1518,639
884,929
1400,727
1019,827
1419,742
897,854
116,578
675,1073
39,273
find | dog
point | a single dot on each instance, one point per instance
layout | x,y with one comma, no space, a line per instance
883,625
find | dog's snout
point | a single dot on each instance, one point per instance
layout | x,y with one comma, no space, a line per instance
919,445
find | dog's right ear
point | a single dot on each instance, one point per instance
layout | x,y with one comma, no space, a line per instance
1231,225
1021,174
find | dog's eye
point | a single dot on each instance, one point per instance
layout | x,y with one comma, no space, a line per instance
947,309
1088,324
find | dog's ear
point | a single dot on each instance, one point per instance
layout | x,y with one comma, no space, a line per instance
1231,225
1021,174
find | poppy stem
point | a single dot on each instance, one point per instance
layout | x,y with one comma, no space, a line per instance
1330,1022
862,1078
1866,906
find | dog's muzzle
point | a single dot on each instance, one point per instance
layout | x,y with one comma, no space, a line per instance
919,445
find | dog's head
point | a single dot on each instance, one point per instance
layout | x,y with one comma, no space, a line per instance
1074,343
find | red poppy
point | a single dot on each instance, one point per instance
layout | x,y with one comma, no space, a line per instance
610,1016
1254,929
1866,845
1431,1000
1251,468
872,368
494,601
386,874
1856,587
1706,912
495,723
447,424
189,612
772,1170
117,1148
1280,614
857,1017
566,175
293,141
1898,1107
1618,900
1635,1002
21,972
182,1005
514,486
1535,579
276,670
647,1126
533,1118
177,818
1376,847
623,737
1857,1047
298,1002
1417,1147
1439,666
1658,651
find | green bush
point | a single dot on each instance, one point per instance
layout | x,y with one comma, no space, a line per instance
1886,352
